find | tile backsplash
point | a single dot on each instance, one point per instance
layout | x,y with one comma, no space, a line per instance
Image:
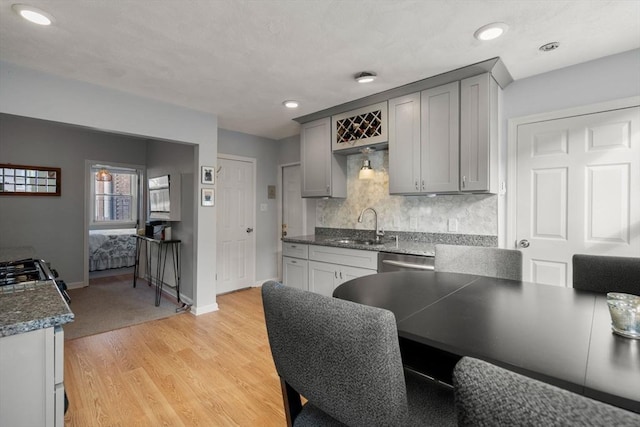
473,213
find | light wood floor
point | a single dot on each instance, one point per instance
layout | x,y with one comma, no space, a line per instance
212,370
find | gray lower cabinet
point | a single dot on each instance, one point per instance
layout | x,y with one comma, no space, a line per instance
324,174
31,378
329,267
325,277
295,272
295,266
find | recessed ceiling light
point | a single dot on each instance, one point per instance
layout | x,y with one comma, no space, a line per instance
291,104
491,31
33,14
365,77
549,46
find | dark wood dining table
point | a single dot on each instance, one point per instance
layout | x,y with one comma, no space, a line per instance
555,334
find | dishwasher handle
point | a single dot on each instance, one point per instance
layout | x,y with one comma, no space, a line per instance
408,265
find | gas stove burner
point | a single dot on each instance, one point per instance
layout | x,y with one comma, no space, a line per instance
30,271
25,270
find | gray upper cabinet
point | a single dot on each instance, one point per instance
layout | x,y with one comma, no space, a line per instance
439,134
424,141
479,134
359,128
404,144
323,173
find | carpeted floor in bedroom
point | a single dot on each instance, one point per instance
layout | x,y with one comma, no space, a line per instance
110,303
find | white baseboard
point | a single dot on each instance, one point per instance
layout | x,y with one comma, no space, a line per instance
75,285
197,311
259,283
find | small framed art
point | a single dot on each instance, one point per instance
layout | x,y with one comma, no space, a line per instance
208,197
208,175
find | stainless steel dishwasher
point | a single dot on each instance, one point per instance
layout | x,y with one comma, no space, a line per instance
402,262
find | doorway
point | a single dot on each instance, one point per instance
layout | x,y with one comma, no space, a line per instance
236,242
113,210
575,188
293,210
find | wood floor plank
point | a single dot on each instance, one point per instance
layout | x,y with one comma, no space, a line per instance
211,370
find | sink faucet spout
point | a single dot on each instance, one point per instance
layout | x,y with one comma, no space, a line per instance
378,233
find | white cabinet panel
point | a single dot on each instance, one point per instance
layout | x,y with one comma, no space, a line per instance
27,389
295,272
344,256
296,250
325,277
322,278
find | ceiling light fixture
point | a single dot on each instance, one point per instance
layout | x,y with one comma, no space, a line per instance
549,46
291,104
491,31
365,77
366,171
103,175
33,14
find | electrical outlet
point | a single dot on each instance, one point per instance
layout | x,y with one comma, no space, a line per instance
453,224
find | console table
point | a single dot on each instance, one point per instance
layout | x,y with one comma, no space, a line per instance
558,335
163,248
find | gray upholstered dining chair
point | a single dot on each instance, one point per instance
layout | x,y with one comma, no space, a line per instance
487,395
606,273
344,358
479,260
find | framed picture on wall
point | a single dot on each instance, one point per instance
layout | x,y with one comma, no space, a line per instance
208,175
208,197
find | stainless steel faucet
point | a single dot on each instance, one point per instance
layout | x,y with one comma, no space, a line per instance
378,233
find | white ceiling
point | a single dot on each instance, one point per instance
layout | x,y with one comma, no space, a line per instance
239,59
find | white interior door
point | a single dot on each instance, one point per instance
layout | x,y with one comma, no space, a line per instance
578,191
236,245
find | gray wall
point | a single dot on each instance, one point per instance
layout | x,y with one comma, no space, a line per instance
265,151
54,226
604,79
289,150
30,93
178,159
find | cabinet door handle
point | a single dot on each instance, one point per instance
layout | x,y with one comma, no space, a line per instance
335,274
341,275
293,262
417,186
327,189
423,185
464,181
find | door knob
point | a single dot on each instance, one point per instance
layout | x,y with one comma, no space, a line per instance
524,243
249,229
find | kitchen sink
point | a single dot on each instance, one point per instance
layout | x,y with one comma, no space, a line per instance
357,242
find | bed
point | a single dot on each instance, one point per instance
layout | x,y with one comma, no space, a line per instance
110,249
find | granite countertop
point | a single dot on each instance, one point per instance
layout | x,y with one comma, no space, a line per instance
387,244
30,306
405,242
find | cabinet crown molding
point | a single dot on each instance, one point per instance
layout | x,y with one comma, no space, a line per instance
495,66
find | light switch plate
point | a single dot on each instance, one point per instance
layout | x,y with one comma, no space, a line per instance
263,207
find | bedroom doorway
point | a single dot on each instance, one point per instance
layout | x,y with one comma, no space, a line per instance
113,212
